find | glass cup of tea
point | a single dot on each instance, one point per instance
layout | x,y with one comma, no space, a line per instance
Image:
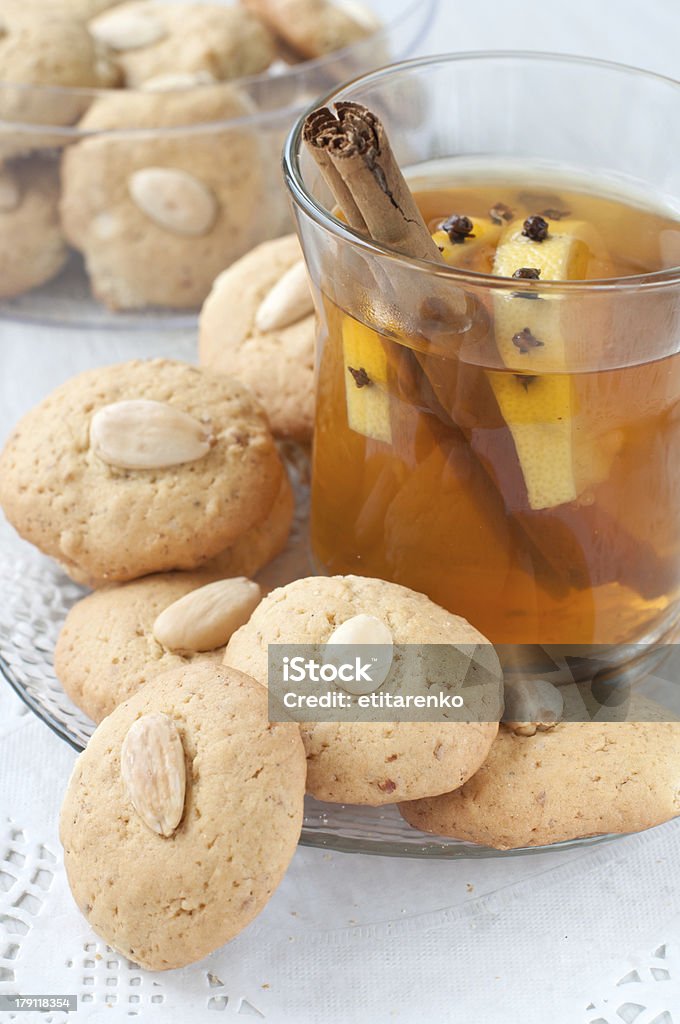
500,429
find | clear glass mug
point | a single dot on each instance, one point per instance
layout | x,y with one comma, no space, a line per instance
431,497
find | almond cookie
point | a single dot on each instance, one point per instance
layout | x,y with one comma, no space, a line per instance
182,815
139,467
313,28
260,544
573,780
151,39
158,216
257,325
371,762
49,48
107,649
32,245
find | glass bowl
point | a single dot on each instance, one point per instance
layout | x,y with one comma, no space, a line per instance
237,128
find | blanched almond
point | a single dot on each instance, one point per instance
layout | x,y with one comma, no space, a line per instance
153,770
288,301
174,199
143,434
127,30
359,631
206,618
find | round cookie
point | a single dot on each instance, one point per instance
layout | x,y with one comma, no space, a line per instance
576,779
276,364
158,215
45,47
152,39
107,524
368,762
313,28
166,901
32,245
260,544
106,649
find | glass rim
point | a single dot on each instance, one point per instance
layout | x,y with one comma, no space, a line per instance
305,201
294,72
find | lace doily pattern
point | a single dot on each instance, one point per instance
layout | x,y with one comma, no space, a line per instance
27,873
647,993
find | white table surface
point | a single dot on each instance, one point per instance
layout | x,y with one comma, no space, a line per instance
574,937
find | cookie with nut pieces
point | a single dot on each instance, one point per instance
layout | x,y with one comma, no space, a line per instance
182,815
257,324
313,28
141,467
158,216
48,47
109,646
152,39
374,762
32,244
565,781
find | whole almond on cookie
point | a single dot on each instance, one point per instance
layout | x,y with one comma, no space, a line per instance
257,325
205,619
364,761
174,199
288,301
152,767
167,902
204,471
123,29
144,434
357,631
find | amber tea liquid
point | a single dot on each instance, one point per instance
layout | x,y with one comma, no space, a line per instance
552,519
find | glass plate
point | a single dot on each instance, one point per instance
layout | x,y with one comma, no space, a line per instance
35,596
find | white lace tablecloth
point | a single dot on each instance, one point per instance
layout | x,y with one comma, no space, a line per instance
583,936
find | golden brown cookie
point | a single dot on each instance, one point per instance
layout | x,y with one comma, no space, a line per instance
164,872
139,467
48,47
32,245
576,779
313,28
257,325
260,544
370,762
151,39
107,650
158,215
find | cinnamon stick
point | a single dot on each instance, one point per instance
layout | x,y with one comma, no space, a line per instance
356,146
321,133
355,157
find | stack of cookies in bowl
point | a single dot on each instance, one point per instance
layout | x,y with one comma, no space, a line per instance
147,133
